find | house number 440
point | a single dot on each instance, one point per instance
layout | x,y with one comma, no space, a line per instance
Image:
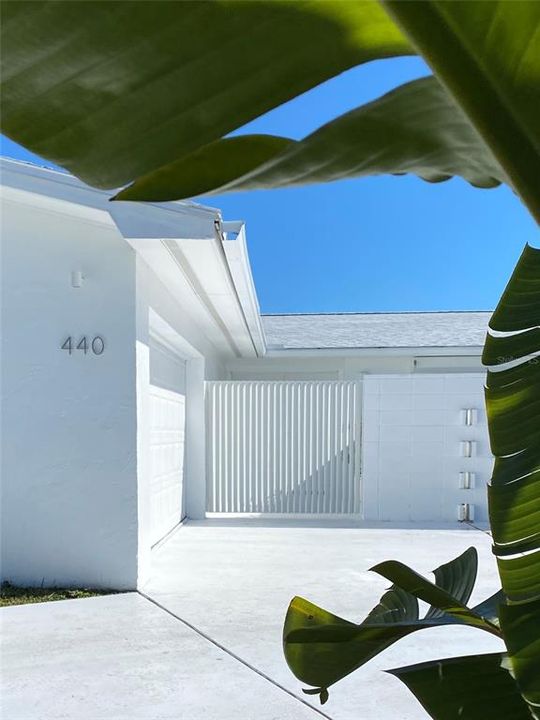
95,345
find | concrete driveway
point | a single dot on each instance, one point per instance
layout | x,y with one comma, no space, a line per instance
203,641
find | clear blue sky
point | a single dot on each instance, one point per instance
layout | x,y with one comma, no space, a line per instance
386,243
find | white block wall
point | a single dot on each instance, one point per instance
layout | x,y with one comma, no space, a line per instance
412,435
69,460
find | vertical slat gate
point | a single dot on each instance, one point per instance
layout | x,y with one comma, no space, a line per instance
285,448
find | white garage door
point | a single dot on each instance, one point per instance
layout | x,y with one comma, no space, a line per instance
418,443
167,408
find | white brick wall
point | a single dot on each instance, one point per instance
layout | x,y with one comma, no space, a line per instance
411,447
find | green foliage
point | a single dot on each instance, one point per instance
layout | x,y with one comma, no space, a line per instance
15,595
487,55
322,648
144,93
115,90
513,406
468,688
416,129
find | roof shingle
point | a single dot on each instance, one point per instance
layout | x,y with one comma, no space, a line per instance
376,330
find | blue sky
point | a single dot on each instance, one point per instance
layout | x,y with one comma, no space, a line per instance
376,244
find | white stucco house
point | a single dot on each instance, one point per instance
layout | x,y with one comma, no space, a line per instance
141,386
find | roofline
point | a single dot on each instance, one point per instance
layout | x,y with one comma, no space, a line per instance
163,234
377,312
94,197
428,351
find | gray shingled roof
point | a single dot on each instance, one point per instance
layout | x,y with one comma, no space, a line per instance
376,330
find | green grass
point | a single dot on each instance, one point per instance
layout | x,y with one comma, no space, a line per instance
13,595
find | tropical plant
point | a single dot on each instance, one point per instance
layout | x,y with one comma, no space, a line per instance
141,96
143,93
322,648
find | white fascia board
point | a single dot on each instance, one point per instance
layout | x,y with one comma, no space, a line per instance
472,351
55,206
142,221
237,256
155,219
211,275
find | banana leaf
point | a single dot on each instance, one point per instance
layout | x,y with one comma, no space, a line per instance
322,648
513,407
416,128
114,90
475,687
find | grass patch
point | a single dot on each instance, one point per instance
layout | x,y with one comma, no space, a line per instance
14,595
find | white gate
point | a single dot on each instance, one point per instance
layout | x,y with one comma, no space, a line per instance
283,447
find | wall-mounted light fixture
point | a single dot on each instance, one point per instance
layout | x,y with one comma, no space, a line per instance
468,448
77,278
469,416
467,480
465,512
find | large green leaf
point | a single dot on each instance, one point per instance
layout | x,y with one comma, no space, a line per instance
513,406
488,56
521,627
321,648
114,90
476,687
442,602
457,578
416,129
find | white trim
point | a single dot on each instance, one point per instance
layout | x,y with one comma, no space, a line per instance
472,351
284,516
64,186
237,257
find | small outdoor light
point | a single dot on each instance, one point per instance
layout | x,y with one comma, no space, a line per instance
466,480
465,512
469,416
77,278
468,448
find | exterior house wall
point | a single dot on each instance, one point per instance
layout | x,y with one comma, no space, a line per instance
76,426
415,447
69,460
316,365
412,428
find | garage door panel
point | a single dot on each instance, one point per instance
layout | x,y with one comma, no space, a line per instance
167,412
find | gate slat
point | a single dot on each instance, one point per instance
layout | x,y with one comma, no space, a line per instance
283,447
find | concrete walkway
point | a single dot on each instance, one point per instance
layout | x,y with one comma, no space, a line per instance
203,642
122,658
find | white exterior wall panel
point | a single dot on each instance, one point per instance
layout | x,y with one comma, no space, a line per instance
69,460
167,408
412,450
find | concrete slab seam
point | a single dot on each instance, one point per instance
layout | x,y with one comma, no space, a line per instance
234,655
